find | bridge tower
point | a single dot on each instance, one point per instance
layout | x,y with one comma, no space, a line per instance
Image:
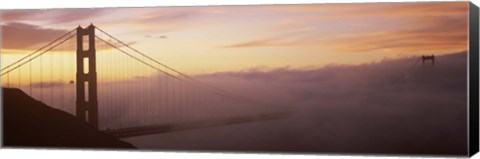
86,102
428,58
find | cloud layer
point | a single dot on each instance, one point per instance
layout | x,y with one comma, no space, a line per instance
26,36
381,107
387,27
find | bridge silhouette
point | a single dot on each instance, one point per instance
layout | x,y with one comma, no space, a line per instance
122,91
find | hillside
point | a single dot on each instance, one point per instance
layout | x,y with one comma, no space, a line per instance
31,123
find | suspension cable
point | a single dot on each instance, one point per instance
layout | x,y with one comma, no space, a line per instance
216,90
32,58
6,67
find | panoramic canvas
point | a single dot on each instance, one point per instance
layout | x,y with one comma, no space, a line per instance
386,78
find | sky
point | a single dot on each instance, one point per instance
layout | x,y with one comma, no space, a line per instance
202,40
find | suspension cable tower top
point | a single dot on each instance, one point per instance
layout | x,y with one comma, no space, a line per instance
428,58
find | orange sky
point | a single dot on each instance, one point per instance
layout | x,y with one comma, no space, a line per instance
198,40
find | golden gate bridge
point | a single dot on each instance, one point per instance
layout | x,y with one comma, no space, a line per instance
124,92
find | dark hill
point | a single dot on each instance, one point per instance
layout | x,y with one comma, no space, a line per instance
31,123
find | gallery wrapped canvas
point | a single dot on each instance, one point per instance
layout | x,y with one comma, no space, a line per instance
357,78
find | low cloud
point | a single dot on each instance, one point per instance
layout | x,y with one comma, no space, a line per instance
382,107
446,34
18,35
379,9
258,43
53,16
105,44
169,15
293,37
23,36
47,84
156,37
367,28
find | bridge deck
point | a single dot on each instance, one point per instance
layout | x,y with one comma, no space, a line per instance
181,126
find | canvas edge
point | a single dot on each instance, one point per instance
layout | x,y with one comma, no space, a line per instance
473,88
1,90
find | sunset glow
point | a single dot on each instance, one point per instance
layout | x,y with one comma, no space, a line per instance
199,40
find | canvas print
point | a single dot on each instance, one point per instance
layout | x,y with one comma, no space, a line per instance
359,78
